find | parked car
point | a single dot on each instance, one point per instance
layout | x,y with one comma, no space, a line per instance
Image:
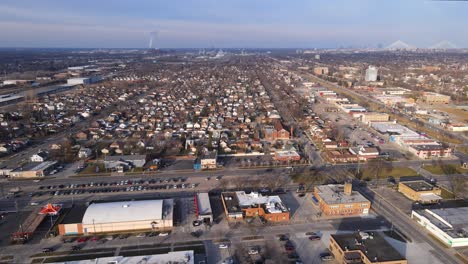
325,256
223,245
47,249
82,239
253,251
68,240
141,235
289,248
77,247
314,237
283,238
123,236
163,234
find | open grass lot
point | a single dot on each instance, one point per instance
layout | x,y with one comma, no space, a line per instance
91,169
445,169
458,114
463,149
396,172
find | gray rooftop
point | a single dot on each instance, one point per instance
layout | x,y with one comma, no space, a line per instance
204,206
376,248
182,257
418,186
450,220
333,194
454,216
36,166
126,157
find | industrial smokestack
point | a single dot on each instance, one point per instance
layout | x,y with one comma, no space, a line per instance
153,36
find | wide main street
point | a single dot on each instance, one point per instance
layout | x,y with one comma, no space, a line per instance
407,226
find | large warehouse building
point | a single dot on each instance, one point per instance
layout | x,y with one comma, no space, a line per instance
449,225
124,216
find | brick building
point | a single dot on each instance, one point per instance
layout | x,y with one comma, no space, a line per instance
435,98
321,70
420,191
340,200
364,247
238,205
275,131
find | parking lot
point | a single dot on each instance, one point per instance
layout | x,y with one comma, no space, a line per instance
394,197
114,187
357,133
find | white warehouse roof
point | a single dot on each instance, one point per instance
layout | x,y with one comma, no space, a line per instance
127,211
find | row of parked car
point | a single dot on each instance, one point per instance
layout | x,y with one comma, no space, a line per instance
104,239
291,249
80,242
114,183
133,188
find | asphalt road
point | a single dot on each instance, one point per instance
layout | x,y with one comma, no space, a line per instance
407,226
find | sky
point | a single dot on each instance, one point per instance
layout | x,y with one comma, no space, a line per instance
231,23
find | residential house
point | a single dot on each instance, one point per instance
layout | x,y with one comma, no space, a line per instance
40,156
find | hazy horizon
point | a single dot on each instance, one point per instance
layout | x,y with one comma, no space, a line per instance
239,24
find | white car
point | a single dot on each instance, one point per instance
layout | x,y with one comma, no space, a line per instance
163,234
223,245
141,235
253,251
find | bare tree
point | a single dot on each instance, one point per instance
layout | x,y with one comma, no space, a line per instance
458,186
375,167
224,184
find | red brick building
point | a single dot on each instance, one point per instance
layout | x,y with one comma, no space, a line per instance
275,131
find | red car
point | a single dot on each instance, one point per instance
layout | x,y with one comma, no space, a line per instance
94,239
82,239
289,248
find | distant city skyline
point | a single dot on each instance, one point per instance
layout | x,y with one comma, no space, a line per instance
232,24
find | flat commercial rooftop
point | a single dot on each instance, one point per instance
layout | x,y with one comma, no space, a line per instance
334,194
393,128
128,211
204,206
183,257
428,147
418,186
375,247
450,220
235,201
457,217
249,199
